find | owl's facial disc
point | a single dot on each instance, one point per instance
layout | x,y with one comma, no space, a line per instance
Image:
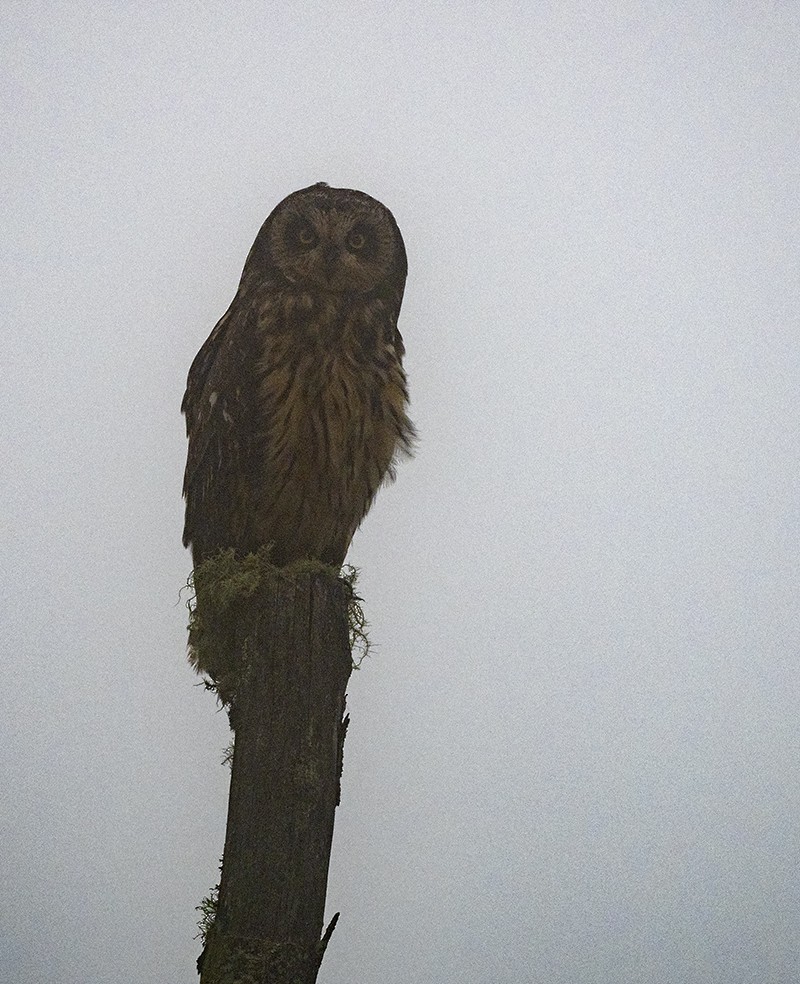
332,250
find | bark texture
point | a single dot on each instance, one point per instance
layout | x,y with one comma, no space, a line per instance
289,716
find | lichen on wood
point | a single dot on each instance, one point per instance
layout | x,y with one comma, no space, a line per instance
244,960
219,589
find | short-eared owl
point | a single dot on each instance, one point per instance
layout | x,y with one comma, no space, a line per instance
296,404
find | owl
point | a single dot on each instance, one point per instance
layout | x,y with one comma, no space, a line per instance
296,405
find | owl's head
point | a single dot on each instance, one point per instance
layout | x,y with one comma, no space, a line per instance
331,239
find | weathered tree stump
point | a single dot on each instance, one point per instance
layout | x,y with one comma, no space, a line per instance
293,650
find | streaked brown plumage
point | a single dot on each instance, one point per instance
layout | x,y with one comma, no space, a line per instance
296,404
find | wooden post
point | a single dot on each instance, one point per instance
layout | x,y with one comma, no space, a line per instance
294,653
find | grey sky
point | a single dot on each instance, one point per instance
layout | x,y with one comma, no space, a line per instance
574,756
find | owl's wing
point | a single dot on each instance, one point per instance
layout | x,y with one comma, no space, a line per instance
399,347
216,406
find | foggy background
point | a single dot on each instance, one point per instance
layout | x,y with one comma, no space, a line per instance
573,757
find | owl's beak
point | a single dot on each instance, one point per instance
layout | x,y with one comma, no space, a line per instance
330,262
331,254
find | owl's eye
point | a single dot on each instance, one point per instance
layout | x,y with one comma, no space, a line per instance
306,236
356,240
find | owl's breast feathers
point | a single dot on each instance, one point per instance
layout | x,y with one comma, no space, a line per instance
296,413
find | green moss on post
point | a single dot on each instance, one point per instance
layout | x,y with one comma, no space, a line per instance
220,589
239,960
